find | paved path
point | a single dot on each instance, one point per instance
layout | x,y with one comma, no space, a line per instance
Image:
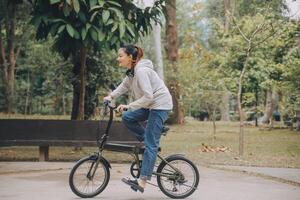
49,181
288,174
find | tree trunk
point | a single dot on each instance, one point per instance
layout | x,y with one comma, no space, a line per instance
172,56
281,108
27,94
8,60
76,89
256,109
241,115
214,125
158,54
270,106
224,107
227,8
171,32
177,107
239,99
63,103
157,41
83,53
62,97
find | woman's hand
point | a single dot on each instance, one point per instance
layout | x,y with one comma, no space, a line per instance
122,108
108,98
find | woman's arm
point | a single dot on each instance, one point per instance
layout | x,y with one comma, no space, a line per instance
145,86
121,89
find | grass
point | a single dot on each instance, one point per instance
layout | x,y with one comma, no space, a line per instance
268,148
275,148
35,116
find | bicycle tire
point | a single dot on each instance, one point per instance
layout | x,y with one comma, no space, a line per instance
81,171
176,181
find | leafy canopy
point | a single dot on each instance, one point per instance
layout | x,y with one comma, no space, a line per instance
97,23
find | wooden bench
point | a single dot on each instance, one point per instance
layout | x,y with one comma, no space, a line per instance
45,133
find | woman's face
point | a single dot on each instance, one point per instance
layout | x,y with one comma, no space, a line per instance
124,59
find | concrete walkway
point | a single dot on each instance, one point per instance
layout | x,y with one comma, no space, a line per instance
49,180
288,174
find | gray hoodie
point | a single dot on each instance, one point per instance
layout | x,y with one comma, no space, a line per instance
148,89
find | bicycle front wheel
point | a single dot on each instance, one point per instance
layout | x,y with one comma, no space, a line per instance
177,178
89,177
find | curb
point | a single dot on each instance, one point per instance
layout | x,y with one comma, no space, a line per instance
32,171
265,176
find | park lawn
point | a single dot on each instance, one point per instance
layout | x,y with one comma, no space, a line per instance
35,116
269,148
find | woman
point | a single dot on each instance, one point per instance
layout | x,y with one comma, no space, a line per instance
152,102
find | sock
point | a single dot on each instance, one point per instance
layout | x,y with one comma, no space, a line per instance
142,183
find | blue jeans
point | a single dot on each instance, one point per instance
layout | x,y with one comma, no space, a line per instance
150,135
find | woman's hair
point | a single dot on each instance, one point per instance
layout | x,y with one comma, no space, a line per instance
136,52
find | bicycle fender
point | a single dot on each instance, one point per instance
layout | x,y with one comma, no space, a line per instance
106,163
169,157
174,155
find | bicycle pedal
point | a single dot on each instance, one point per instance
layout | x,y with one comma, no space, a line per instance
133,189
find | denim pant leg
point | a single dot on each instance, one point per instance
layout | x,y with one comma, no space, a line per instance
152,136
133,119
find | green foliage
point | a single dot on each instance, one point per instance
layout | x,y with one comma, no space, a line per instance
240,8
20,40
100,80
253,7
81,25
43,79
99,24
291,86
209,70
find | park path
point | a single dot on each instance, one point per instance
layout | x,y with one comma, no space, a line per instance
49,181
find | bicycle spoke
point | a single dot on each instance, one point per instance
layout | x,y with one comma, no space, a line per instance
188,186
173,176
81,181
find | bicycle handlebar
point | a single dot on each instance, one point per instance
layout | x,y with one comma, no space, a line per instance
112,108
107,103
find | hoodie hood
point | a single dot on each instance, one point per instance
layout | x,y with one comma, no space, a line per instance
144,63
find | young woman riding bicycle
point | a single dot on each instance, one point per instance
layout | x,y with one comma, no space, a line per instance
152,103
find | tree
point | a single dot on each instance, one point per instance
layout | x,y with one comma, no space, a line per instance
251,53
290,87
9,47
158,52
80,25
217,10
172,56
156,40
227,9
43,81
254,34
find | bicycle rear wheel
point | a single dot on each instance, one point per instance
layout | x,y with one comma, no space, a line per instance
87,179
179,178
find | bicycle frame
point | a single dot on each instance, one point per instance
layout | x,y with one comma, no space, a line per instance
134,149
169,177
101,142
